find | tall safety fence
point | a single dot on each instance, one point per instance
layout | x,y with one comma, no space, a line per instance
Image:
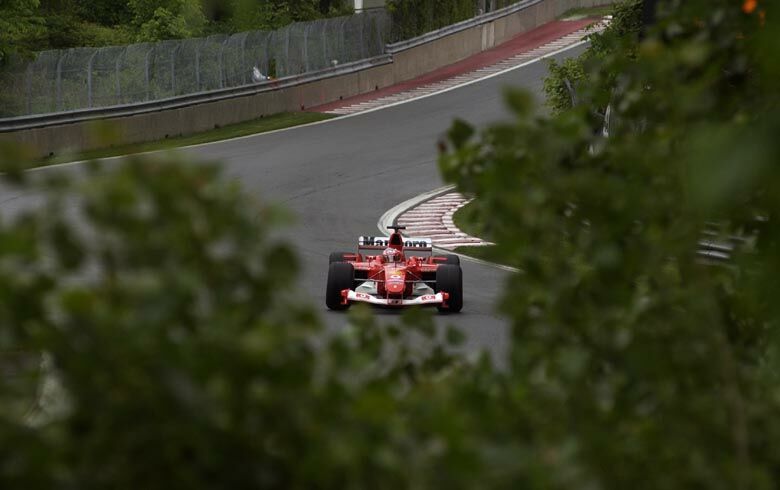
84,78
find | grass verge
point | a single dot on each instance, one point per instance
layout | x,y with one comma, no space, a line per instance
257,126
484,252
467,221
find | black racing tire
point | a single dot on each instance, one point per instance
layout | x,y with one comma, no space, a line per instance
449,279
341,276
339,257
451,259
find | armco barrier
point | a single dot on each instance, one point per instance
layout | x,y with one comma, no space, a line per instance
72,131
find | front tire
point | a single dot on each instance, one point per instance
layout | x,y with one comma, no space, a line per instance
339,257
449,279
341,276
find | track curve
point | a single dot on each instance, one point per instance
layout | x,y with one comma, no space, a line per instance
340,176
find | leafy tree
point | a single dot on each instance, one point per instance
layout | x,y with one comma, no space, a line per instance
272,14
652,368
336,7
61,31
18,24
76,23
107,13
36,25
163,25
415,17
171,19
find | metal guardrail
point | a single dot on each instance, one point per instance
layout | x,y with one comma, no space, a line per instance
124,110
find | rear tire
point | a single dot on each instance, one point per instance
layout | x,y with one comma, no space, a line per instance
339,257
449,279
341,276
451,259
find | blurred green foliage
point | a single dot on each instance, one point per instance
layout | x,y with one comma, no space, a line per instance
149,321
651,369
176,353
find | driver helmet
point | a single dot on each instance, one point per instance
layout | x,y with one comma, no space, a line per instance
391,255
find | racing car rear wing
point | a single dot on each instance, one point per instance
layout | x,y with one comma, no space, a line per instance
382,242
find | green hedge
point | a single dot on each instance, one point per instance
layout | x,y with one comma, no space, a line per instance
412,18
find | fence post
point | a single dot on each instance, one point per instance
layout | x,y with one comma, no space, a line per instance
28,88
362,37
244,68
197,66
58,101
327,23
117,77
342,45
146,71
89,78
377,26
173,67
306,47
267,43
222,63
287,49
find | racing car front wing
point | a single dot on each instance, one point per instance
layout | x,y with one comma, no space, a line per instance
426,299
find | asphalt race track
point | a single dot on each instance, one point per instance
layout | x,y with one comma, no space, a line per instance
341,176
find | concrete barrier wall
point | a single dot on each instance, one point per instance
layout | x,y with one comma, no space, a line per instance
406,64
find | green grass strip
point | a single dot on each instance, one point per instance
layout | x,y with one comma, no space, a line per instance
467,221
257,126
483,252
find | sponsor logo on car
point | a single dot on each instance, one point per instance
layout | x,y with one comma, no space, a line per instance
372,241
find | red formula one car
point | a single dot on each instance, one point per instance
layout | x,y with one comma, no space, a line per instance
402,272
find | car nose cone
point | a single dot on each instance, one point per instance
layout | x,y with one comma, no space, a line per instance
395,287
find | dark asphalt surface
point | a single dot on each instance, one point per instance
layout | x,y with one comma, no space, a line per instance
339,178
